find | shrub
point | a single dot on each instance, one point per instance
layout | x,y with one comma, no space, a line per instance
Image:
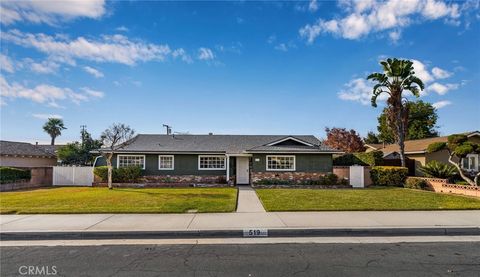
436,169
388,175
123,174
373,158
415,183
327,180
10,174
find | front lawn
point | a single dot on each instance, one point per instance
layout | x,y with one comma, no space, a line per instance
370,199
102,200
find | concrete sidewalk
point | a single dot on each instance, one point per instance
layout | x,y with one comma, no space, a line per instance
237,221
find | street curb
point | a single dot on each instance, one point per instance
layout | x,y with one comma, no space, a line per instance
334,232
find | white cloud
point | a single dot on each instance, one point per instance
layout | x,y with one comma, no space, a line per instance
281,47
122,29
49,12
46,116
441,89
359,90
94,72
441,104
6,64
313,6
182,54
205,54
364,17
116,48
93,93
422,72
45,67
395,35
440,73
42,93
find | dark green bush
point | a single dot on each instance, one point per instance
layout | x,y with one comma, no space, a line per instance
435,169
119,175
10,174
389,175
416,183
326,180
373,158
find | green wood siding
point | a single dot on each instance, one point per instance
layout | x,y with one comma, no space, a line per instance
304,162
184,164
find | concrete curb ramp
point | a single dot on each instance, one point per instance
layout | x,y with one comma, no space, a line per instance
329,232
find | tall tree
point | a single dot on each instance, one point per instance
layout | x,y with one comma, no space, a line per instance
115,137
346,140
422,122
398,76
371,138
79,153
54,127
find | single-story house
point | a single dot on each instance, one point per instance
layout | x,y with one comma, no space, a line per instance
23,154
238,159
417,150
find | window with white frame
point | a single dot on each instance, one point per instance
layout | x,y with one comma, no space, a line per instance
211,162
470,162
165,162
281,163
131,160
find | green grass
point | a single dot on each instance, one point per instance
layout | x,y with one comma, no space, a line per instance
371,199
102,200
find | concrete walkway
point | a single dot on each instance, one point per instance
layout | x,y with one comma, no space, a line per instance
248,201
239,220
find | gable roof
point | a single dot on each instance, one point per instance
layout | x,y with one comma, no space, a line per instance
419,146
15,148
229,144
374,146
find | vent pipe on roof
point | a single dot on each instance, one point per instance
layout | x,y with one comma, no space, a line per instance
210,134
169,129
36,143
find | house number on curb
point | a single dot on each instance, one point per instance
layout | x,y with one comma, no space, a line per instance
255,232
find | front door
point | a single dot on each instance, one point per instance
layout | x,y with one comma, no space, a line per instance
243,171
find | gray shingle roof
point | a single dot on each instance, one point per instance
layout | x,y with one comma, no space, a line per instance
229,144
26,149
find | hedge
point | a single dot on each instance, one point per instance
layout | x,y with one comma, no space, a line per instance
10,174
119,175
389,175
416,183
326,180
373,158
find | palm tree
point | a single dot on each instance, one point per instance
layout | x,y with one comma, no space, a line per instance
54,127
397,76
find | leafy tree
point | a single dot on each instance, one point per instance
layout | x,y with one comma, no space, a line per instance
54,127
398,76
115,137
345,140
458,147
422,120
371,138
79,153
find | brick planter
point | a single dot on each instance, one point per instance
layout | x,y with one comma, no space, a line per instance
287,176
442,186
300,187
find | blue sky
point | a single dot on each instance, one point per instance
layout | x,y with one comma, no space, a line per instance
229,67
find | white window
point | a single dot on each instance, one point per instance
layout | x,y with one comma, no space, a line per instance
131,160
165,162
281,163
470,162
211,162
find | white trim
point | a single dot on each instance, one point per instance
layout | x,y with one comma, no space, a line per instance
476,133
130,155
290,138
215,156
289,156
295,152
173,162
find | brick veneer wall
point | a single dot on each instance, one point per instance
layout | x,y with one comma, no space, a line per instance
287,175
442,186
172,181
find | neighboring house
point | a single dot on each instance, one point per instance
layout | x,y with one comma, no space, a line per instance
22,154
240,159
370,147
417,150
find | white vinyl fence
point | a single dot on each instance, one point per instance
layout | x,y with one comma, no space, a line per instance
72,176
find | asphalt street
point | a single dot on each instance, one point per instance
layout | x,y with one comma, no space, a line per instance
339,259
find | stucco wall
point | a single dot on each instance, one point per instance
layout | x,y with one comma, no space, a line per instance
27,162
420,160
